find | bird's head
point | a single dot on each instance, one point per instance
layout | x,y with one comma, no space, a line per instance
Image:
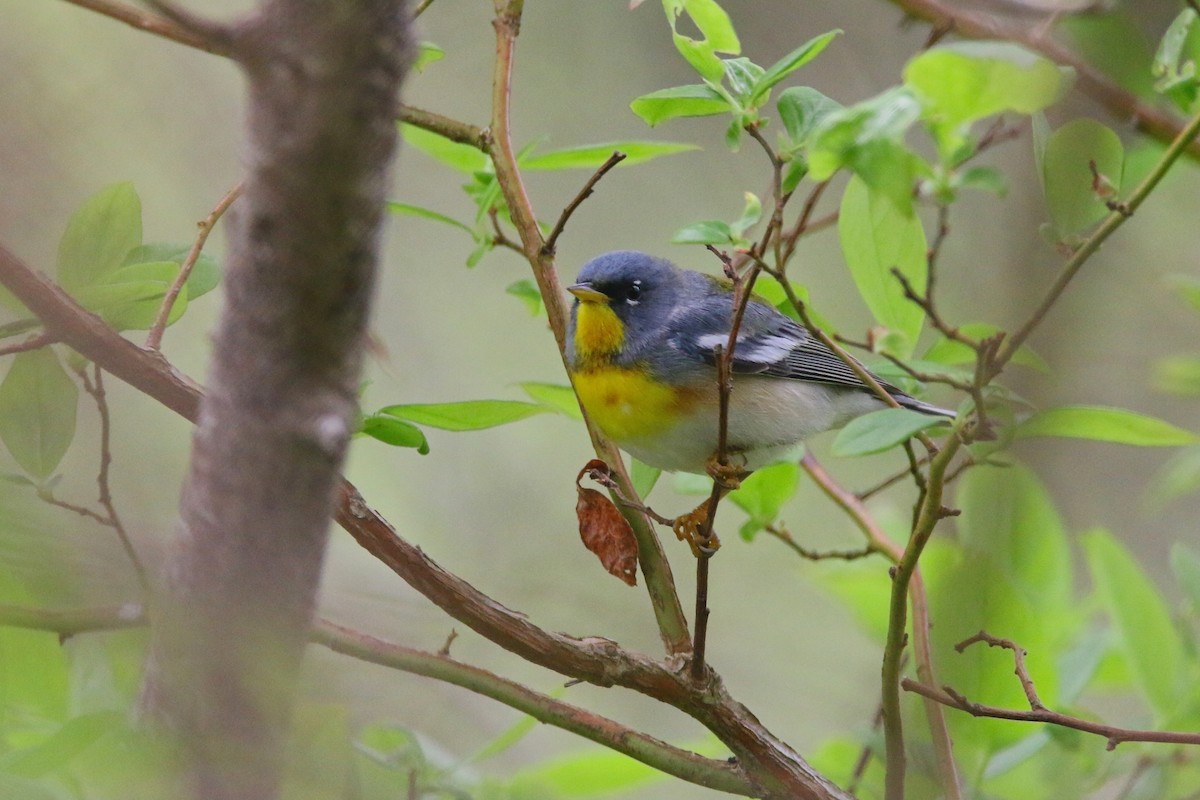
618,293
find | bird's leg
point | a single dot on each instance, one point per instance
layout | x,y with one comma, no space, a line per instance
688,527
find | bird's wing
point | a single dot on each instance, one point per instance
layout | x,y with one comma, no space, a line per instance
768,343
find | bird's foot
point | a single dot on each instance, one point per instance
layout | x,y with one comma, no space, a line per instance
688,528
728,476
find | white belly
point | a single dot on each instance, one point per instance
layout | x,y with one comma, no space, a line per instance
773,415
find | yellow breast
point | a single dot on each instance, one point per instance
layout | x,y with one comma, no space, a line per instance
598,331
626,404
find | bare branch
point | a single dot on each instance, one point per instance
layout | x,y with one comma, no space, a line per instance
1115,735
549,246
35,342
154,337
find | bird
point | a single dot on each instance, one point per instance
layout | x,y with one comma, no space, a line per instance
642,344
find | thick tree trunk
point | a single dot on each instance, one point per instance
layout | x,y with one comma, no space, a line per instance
234,606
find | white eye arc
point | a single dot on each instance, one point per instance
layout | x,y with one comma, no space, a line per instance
633,293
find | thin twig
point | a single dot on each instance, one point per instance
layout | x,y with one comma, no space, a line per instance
1115,735
660,583
549,246
878,541
929,513
1019,668
157,25
452,129
95,388
781,533
154,337
35,342
712,773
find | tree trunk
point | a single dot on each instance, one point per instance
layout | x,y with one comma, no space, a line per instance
234,605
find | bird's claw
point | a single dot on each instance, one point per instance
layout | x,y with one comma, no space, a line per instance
688,527
728,476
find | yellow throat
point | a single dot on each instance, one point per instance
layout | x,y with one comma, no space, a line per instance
598,333
624,401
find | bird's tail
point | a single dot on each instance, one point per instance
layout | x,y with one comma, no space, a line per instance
908,401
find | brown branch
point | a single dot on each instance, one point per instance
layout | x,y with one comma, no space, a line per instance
660,583
721,775
159,26
1019,668
879,542
154,337
929,512
549,246
452,129
1115,735
685,765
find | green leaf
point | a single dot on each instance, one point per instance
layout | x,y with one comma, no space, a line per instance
593,156
527,292
427,53
57,750
591,773
507,739
106,227
395,432
1148,638
764,493
742,75
33,675
801,108
1185,563
881,430
205,275
868,137
965,81
950,351
461,157
1072,197
1105,425
1008,514
715,27
37,411
986,179
1179,476
789,64
751,214
643,477
1175,72
971,589
1178,375
710,231
425,213
679,101
130,298
1187,287
877,237
555,398
468,415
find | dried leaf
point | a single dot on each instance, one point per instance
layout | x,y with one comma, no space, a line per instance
604,531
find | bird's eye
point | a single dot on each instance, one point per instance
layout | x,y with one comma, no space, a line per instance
634,292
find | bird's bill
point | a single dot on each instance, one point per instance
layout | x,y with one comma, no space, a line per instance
588,294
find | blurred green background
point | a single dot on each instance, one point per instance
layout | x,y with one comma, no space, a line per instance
89,102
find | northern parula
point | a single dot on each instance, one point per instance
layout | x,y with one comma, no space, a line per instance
641,350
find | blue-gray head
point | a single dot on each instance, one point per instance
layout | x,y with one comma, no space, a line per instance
639,288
